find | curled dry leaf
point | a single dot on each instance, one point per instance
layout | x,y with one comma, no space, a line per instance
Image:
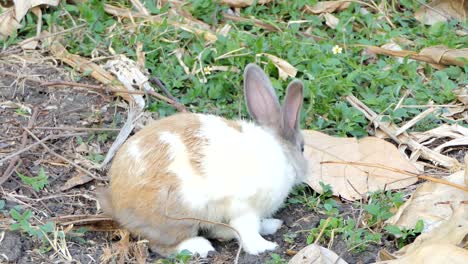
441,11
243,3
462,95
79,179
432,202
444,244
284,68
22,6
437,55
327,7
352,181
331,20
314,254
8,23
446,56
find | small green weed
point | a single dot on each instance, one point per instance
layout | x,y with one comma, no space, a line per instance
290,237
22,112
38,182
323,202
405,236
182,257
276,259
95,157
23,224
356,237
379,206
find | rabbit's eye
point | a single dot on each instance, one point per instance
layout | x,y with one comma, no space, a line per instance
302,148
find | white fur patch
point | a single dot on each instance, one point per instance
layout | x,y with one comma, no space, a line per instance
134,150
269,226
253,243
241,165
196,245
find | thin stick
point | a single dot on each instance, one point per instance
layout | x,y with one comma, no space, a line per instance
12,166
78,167
101,88
39,142
90,129
161,86
424,177
415,120
322,230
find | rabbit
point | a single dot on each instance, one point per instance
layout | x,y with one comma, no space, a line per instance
188,167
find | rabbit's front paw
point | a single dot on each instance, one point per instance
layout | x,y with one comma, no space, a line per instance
269,226
258,245
196,245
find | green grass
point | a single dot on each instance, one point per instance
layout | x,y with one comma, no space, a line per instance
328,77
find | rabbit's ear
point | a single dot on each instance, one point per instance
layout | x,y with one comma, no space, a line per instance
261,98
292,105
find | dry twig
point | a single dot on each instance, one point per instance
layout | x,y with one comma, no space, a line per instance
63,158
12,166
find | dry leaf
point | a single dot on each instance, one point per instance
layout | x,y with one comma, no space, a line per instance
441,11
78,179
432,203
284,68
243,3
187,26
462,95
352,181
22,6
331,20
446,56
327,7
439,245
437,55
8,24
435,253
314,254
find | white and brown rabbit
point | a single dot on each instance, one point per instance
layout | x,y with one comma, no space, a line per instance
206,167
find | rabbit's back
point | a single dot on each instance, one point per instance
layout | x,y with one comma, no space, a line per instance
205,164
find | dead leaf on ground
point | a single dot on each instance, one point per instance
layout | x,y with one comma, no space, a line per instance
432,202
8,23
314,254
327,7
442,11
243,3
437,55
435,253
444,244
443,55
352,181
462,95
331,20
79,179
22,6
285,69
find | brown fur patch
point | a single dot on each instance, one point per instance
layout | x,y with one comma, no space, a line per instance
144,196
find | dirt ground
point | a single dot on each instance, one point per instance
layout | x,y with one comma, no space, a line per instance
82,108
